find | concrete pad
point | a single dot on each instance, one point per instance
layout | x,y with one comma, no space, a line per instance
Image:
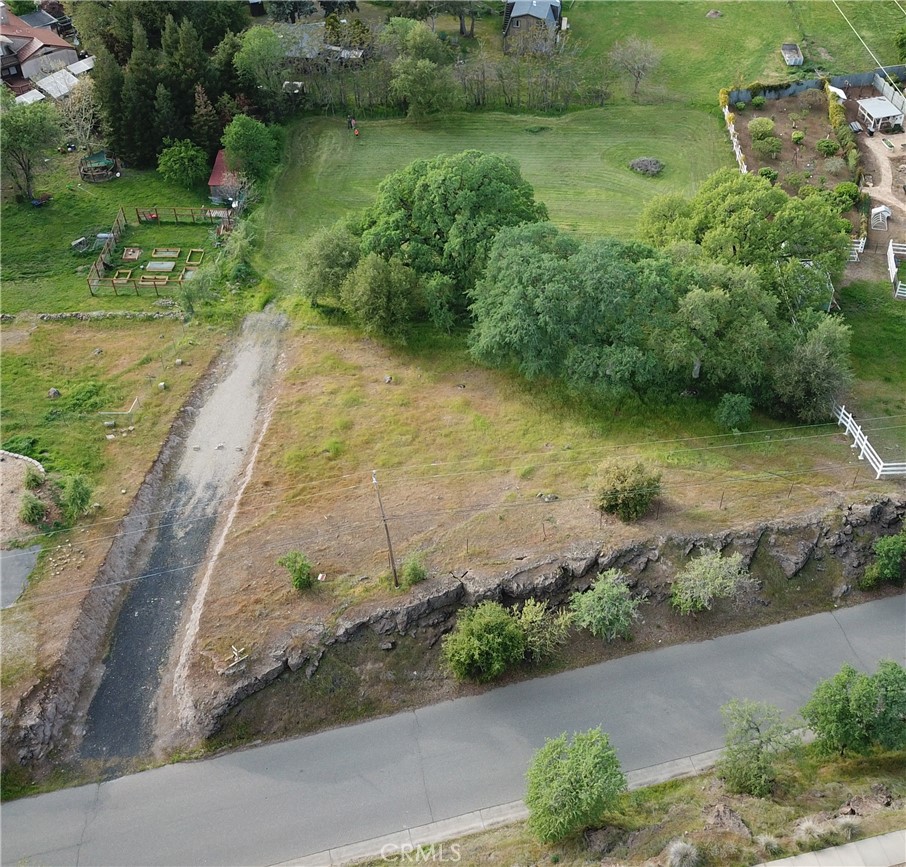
660,773
703,761
894,846
389,844
447,829
874,853
837,857
504,814
319,859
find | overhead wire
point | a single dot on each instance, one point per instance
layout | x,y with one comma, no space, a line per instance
284,491
397,518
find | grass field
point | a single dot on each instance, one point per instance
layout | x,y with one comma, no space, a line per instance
577,164
701,55
40,272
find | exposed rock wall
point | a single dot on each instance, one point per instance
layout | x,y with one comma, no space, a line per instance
844,534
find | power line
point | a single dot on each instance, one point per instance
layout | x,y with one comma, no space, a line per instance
255,503
765,477
873,55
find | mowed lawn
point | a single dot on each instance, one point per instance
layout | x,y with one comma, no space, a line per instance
701,54
578,165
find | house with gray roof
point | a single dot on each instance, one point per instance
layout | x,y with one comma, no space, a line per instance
525,14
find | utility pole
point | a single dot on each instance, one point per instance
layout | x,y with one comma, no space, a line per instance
396,580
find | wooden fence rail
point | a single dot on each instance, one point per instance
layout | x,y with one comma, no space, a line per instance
867,452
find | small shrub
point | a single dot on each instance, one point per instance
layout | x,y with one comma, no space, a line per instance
769,173
835,165
299,568
708,577
413,570
808,831
734,411
827,147
31,509
756,734
544,631
647,166
846,195
627,492
852,160
768,844
848,827
761,127
486,641
33,478
682,854
798,137
723,97
570,784
740,106
758,102
768,148
889,563
797,180
607,610
75,497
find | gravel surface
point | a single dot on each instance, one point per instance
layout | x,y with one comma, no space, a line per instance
193,495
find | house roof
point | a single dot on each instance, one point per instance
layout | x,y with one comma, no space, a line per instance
81,66
879,107
57,84
301,41
38,20
543,10
30,96
220,174
16,29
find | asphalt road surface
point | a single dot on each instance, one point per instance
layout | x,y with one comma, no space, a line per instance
281,801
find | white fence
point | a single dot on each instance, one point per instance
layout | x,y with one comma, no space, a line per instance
734,140
866,450
893,94
895,252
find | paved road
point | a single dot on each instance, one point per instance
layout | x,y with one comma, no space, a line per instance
281,801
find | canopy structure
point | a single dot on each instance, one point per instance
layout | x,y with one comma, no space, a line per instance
58,84
30,96
879,113
100,166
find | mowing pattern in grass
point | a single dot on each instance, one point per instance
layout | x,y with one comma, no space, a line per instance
578,165
701,55
879,358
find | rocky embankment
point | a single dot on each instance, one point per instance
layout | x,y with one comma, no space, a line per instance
842,536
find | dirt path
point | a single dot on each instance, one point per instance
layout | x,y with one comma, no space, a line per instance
199,489
888,180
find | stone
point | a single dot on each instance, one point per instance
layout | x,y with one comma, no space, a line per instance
53,393
721,818
388,645
162,386
841,591
178,362
714,13
109,424
602,841
98,351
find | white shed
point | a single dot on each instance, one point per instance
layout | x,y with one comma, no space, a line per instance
879,113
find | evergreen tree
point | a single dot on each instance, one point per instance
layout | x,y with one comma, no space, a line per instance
224,77
206,128
108,90
138,132
167,121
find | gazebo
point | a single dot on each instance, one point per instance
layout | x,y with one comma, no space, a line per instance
879,113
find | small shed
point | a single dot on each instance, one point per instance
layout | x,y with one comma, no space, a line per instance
879,113
792,54
222,183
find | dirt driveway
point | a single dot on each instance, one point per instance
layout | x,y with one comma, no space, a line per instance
188,503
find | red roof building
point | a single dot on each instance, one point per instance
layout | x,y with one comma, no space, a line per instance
222,183
30,52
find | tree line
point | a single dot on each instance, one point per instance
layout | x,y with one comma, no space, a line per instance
725,298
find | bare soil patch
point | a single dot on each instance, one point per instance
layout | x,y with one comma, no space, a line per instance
458,488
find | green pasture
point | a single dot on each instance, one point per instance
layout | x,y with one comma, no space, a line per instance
577,165
701,54
39,270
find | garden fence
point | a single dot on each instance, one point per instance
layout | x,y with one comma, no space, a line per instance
734,140
866,450
855,79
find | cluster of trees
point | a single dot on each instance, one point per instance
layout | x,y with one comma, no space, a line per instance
719,302
427,73
490,639
572,782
